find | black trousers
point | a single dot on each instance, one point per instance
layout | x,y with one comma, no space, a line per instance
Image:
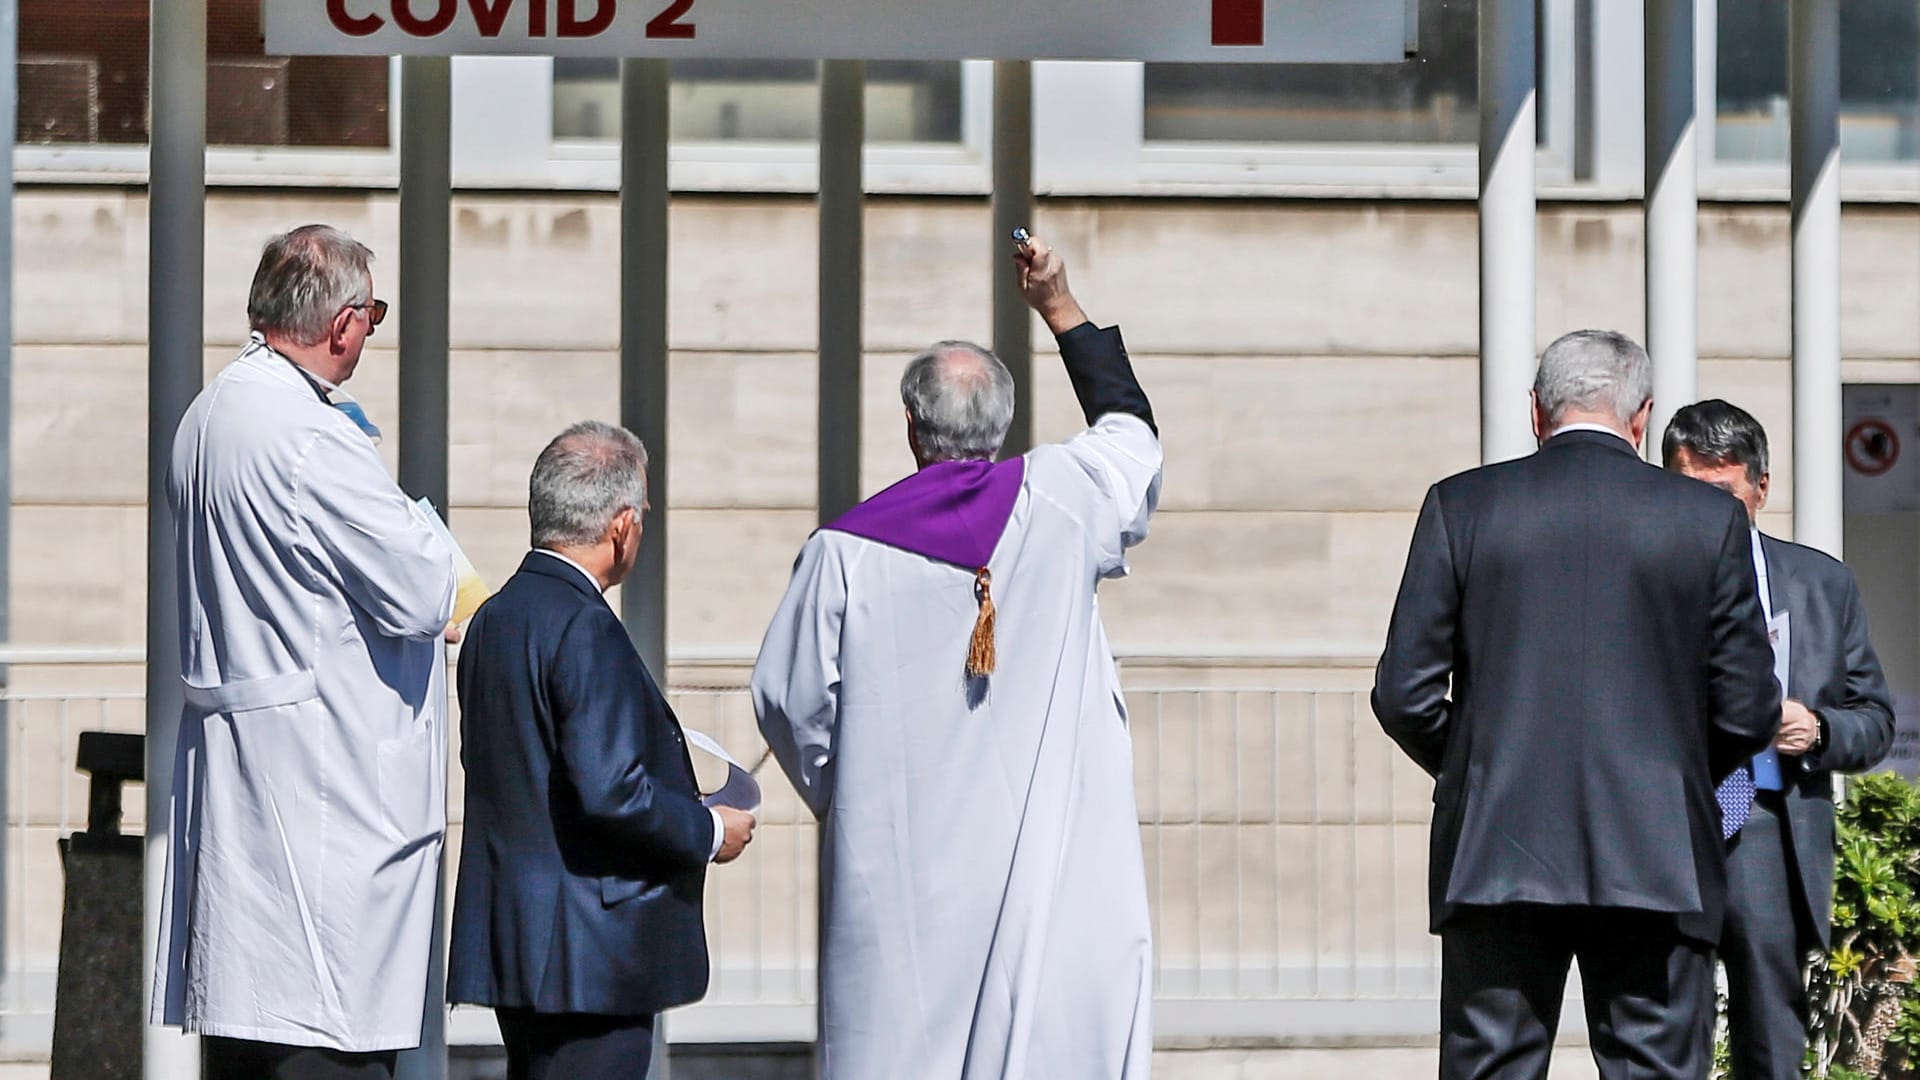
575,1046
244,1059
1503,975
1768,932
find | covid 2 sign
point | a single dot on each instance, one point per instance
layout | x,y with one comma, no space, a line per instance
1263,31
532,19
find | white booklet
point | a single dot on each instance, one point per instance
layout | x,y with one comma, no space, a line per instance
1780,634
741,791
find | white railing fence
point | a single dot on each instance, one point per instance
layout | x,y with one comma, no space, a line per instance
1284,835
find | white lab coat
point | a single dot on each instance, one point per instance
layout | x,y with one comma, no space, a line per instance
309,800
986,899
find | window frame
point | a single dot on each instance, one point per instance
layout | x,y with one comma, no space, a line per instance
1088,141
793,166
1354,170
235,166
1747,181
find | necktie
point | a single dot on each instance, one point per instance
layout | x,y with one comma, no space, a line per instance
1735,796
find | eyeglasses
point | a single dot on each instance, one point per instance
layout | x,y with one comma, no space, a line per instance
376,311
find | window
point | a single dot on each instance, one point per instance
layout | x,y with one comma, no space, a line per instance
1429,99
1879,77
83,79
761,100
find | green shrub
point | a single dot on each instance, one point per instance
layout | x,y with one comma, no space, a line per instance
1866,1016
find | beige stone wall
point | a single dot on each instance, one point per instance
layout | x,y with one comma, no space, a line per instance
1311,364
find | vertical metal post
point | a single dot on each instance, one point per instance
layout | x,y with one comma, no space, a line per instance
426,196
643,337
176,331
1672,211
843,132
1013,206
1507,230
9,110
1813,76
843,86
1586,135
643,367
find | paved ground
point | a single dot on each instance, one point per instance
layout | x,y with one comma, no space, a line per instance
1374,1063
767,1063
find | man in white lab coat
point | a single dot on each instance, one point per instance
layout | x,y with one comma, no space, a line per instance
938,686
309,785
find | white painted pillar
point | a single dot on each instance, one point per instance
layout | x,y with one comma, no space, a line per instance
1813,73
1672,212
1507,229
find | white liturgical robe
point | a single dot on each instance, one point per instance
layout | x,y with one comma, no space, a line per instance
985,902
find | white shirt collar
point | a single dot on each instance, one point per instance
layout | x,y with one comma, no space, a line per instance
1760,574
1601,428
281,364
584,572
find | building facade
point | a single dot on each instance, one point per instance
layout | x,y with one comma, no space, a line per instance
1292,254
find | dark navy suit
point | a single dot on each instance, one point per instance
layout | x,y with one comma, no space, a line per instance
586,844
1780,864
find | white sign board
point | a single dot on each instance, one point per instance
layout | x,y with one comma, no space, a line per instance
1882,449
1265,31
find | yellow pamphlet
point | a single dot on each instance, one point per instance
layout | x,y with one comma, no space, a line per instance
472,590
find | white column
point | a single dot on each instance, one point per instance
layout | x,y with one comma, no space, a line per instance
1814,83
176,330
1672,212
1507,234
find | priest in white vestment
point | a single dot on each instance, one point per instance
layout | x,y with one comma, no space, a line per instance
938,686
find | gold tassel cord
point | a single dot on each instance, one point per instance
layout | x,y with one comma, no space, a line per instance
981,659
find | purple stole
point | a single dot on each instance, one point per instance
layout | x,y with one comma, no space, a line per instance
952,512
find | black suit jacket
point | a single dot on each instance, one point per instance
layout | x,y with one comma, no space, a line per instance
1832,670
1578,655
586,844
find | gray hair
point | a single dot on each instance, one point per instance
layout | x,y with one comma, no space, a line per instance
305,277
1720,432
582,480
959,398
1594,371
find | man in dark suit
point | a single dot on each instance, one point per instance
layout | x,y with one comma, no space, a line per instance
1577,656
1838,717
577,914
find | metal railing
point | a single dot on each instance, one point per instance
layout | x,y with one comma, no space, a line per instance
1284,838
